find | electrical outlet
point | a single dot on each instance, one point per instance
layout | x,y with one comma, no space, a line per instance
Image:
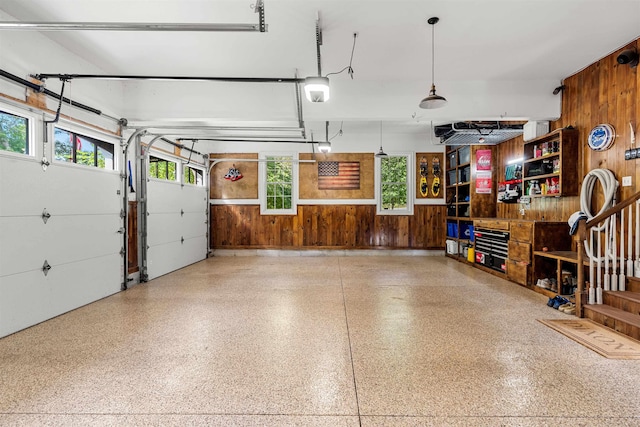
626,181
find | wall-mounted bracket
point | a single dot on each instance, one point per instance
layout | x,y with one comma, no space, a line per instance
45,215
46,267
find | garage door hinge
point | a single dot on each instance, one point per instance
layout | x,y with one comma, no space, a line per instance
46,267
120,230
182,239
181,212
121,251
45,215
122,213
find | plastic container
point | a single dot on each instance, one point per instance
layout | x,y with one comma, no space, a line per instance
471,255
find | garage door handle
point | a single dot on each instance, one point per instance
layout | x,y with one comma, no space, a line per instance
120,230
45,215
46,267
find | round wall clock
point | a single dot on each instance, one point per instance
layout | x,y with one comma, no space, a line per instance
601,137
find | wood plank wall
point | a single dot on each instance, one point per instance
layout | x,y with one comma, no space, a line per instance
327,226
604,92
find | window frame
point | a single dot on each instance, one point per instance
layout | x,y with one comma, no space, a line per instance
31,123
168,159
262,188
196,170
410,185
96,140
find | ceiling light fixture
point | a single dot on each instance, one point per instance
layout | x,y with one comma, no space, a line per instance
324,146
381,153
316,89
433,101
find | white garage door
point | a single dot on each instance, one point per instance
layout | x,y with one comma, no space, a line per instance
79,241
176,226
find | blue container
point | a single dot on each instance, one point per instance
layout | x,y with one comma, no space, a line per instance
452,230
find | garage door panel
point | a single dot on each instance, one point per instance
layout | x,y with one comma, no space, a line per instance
163,197
163,228
163,259
192,198
22,246
24,301
30,298
61,189
78,190
23,181
194,250
193,224
95,278
28,241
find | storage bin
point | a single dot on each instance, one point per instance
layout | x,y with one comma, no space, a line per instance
451,178
452,229
466,231
452,247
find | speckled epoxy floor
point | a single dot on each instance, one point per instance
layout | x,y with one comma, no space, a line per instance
314,341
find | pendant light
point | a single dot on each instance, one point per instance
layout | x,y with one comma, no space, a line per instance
433,101
381,153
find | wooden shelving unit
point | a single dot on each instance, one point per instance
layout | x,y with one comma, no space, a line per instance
463,203
550,166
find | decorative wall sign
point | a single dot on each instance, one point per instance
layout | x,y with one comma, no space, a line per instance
601,137
234,174
483,160
483,182
338,175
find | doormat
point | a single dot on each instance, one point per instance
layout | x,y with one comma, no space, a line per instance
602,340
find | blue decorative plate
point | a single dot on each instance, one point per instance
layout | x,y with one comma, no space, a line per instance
601,137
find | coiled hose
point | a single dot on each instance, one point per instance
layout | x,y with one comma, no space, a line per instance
609,185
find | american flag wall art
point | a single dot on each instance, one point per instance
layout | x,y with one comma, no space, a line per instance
338,175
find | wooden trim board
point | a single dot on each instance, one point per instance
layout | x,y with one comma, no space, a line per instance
602,340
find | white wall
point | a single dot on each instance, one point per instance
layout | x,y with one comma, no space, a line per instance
23,53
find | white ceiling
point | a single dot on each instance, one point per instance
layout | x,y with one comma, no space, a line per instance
494,58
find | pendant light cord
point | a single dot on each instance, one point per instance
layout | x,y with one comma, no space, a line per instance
433,55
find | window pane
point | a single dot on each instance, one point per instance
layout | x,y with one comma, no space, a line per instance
63,145
172,171
85,152
13,133
105,158
393,186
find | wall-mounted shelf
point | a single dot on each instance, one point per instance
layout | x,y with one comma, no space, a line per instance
550,166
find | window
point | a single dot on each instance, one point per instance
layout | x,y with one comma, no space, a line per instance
162,168
278,192
192,176
71,147
393,189
14,133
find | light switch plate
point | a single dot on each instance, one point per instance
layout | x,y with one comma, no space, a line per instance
626,181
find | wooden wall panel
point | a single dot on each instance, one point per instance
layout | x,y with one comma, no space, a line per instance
327,226
604,92
308,176
245,188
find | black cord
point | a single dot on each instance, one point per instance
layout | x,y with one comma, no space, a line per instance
348,67
337,133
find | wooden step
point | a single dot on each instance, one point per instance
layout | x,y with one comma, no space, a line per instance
626,301
614,318
633,284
